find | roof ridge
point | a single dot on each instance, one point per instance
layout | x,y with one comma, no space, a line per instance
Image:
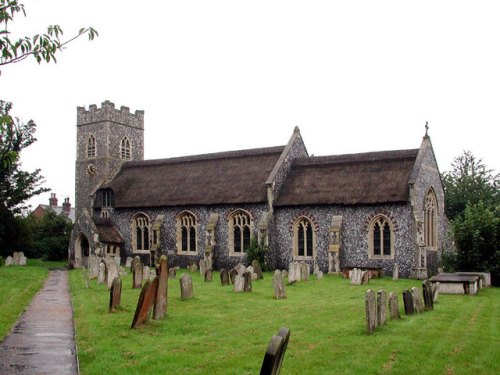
355,158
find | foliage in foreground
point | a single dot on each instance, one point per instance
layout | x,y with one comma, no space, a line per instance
226,333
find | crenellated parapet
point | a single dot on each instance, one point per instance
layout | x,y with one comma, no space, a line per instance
108,112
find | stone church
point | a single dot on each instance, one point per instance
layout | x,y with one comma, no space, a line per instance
369,210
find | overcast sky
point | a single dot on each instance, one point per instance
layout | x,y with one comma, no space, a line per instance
212,76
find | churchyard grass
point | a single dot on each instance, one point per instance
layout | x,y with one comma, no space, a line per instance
221,332
18,285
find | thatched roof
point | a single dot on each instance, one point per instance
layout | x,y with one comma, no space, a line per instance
367,178
223,178
107,231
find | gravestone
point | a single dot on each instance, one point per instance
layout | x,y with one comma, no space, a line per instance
435,291
381,307
257,269
365,277
294,272
395,272
356,276
172,272
394,306
137,272
101,275
427,293
161,301
9,261
208,275
284,274
408,302
247,287
115,294
238,284
134,263
275,353
279,287
203,267
224,277
145,303
304,271
186,286
128,263
16,256
146,273
418,302
22,259
371,311
319,275
240,268
93,263
232,275
112,272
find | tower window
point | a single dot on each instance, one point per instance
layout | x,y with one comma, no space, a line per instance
125,149
91,147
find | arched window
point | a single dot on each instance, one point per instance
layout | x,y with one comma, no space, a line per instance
381,238
304,238
140,232
125,149
240,232
430,221
91,147
103,198
186,233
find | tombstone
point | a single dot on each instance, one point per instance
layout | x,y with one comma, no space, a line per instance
371,311
394,306
275,353
128,263
279,287
365,277
224,277
232,275
172,272
304,271
238,284
435,291
112,272
356,276
257,269
240,268
247,287
284,274
118,261
294,272
381,307
134,263
146,273
315,268
319,275
145,303
250,269
208,275
427,293
418,302
93,264
137,273
395,272
186,286
16,256
101,275
408,302
9,261
161,301
115,294
22,259
203,267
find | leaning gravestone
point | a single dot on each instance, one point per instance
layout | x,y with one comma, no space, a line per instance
279,287
145,303
418,303
394,306
208,275
137,273
160,304
186,286
101,275
435,292
275,353
115,294
9,261
224,277
257,269
247,286
428,297
365,277
381,307
408,302
232,275
238,284
371,311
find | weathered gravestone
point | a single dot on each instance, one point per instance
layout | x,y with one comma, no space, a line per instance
9,261
224,277
408,302
134,263
128,263
294,272
247,286
381,307
146,273
257,269
304,271
428,297
356,276
145,303
161,301
275,353
238,283
435,291
172,272
418,302
395,272
101,275
115,294
279,287
208,275
365,277
186,286
93,263
394,306
232,275
16,258
371,311
240,268
137,273
112,272
203,267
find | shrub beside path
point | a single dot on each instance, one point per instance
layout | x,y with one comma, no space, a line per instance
43,340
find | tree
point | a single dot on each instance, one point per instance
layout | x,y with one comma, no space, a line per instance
469,182
51,235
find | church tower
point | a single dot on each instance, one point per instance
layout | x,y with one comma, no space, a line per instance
106,137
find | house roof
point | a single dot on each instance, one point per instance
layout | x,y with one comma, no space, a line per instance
59,211
234,177
107,231
366,178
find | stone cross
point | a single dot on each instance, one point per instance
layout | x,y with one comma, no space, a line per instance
247,286
115,294
186,286
381,307
279,287
371,311
408,302
394,306
418,303
275,353
161,301
224,277
145,303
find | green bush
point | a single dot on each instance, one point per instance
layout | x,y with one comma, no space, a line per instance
258,251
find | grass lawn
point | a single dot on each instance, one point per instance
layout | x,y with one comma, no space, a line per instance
221,332
18,285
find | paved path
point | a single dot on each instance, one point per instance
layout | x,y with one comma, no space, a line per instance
43,340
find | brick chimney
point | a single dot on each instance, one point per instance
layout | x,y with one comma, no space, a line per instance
53,200
66,206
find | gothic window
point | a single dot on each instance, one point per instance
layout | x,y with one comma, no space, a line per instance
430,221
186,233
140,233
91,147
240,232
304,238
125,149
381,238
104,198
